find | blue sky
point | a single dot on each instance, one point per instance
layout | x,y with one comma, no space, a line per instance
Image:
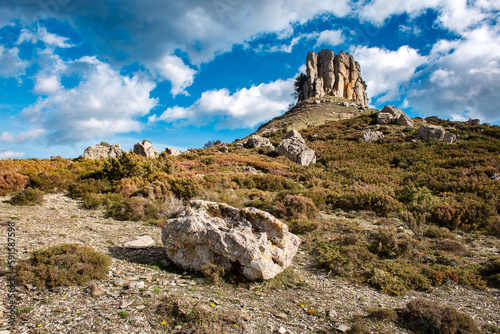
180,73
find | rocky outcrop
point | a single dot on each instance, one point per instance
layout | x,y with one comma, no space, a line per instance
257,141
334,75
250,241
172,151
371,136
431,131
224,149
146,149
103,151
294,147
393,115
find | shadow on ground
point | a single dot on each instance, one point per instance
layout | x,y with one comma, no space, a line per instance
148,255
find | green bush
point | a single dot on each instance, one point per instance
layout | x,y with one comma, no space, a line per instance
382,314
63,265
491,272
425,316
28,196
296,207
12,181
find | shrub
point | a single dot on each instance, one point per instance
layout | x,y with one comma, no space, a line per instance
214,273
491,272
425,316
386,243
300,226
84,187
296,207
452,246
12,181
386,282
63,265
358,326
28,196
436,232
382,314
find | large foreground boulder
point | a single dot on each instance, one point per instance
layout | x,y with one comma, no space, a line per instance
146,149
103,151
248,240
257,141
371,136
294,147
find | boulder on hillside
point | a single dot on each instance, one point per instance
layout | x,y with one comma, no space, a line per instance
103,151
224,149
257,141
250,241
431,131
371,136
393,115
146,149
294,147
449,138
172,151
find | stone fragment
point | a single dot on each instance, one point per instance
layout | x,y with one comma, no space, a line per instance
95,290
103,151
224,149
136,285
431,131
371,136
257,141
393,115
146,149
172,151
140,242
295,149
249,241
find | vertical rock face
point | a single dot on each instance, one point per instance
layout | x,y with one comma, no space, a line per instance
146,149
335,75
101,151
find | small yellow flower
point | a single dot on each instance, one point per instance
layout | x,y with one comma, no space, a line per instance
235,325
78,312
39,325
163,322
212,304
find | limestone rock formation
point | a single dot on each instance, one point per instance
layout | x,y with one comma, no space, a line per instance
224,149
431,131
257,141
146,149
371,136
393,115
294,147
335,75
248,240
103,151
172,151
449,138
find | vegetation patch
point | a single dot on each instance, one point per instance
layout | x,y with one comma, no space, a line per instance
63,265
28,196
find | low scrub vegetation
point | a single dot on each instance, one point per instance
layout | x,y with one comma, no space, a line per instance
63,265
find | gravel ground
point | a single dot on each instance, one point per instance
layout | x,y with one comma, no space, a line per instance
76,310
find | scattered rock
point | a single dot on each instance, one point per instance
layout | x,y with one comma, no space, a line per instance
143,241
281,315
172,151
95,290
257,141
224,149
147,294
103,151
136,285
334,75
343,328
146,149
431,131
295,149
474,121
250,240
496,177
393,115
140,242
120,282
449,138
371,136
250,169
460,126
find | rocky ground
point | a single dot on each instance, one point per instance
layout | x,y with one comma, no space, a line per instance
320,304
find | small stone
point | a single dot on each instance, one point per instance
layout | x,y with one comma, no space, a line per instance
120,282
178,327
245,317
126,304
332,314
131,291
140,307
281,315
343,328
95,290
140,242
147,294
215,301
282,330
137,285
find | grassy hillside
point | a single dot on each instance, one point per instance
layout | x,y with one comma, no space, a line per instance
417,213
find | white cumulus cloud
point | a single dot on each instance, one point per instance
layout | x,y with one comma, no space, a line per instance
104,103
41,34
172,68
22,137
330,37
10,63
9,154
243,109
385,71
